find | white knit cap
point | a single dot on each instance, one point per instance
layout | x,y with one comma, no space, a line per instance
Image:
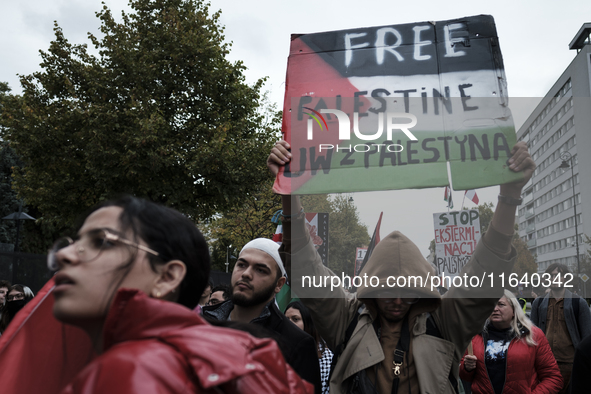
269,247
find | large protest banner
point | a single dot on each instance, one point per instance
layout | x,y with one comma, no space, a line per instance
456,235
388,107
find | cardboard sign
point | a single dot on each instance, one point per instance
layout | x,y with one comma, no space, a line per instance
456,235
388,107
317,225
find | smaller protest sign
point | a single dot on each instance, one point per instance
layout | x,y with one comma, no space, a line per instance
456,235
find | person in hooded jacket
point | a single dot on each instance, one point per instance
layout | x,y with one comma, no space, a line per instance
403,339
511,355
130,279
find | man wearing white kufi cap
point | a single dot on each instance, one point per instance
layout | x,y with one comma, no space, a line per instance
257,277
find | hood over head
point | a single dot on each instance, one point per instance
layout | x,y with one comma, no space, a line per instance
395,261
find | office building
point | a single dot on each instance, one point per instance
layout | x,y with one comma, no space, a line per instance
561,123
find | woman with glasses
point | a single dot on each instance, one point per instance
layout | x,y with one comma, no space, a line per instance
511,355
16,299
130,279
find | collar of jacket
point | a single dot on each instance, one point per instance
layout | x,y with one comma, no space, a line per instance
423,307
222,311
567,294
523,331
365,336
134,316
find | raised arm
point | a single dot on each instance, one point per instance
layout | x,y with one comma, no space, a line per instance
280,156
331,310
493,256
504,217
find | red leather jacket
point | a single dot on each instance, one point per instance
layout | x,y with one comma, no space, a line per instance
153,346
530,369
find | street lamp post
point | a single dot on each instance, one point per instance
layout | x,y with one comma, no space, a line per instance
18,217
348,201
228,257
567,161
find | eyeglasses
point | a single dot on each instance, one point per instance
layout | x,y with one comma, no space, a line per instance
90,245
16,297
389,297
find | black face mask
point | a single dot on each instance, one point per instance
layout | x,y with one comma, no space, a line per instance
14,306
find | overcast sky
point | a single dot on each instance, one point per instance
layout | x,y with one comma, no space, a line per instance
533,35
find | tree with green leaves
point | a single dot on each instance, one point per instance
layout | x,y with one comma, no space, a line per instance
236,227
9,202
160,113
252,219
345,231
525,264
485,214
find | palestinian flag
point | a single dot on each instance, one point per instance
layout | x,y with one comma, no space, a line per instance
375,240
278,236
447,197
284,297
388,107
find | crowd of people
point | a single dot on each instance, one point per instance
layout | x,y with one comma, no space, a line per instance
12,299
135,279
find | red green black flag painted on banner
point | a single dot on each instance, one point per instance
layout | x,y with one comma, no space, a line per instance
388,107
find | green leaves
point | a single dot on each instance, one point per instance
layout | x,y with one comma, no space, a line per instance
525,262
159,113
249,220
345,231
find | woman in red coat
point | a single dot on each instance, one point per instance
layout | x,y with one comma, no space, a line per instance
511,355
130,279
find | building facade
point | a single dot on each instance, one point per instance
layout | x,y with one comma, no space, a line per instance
559,125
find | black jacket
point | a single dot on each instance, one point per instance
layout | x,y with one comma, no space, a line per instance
300,348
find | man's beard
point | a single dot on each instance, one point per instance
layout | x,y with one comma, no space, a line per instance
258,297
395,319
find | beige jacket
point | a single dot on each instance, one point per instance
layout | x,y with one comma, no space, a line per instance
459,315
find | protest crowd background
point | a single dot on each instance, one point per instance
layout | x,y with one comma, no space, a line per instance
160,216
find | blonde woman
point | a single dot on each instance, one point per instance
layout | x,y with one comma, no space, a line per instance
511,355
